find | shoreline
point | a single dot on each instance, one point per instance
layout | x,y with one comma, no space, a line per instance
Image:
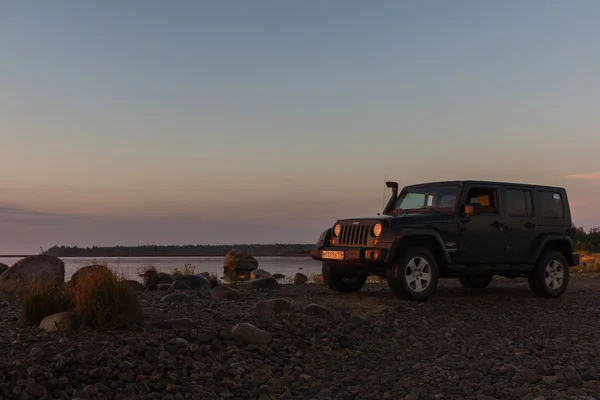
155,256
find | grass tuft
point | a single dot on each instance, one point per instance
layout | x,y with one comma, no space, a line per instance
38,301
188,269
104,301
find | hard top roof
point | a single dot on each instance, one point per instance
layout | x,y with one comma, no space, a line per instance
495,183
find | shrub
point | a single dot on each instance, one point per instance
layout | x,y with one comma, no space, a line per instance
103,301
38,301
188,269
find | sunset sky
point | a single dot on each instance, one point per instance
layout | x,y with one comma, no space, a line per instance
137,122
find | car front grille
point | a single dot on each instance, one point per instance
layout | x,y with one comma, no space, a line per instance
354,235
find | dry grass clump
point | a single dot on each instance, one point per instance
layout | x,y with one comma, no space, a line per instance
589,264
99,298
188,269
39,301
102,300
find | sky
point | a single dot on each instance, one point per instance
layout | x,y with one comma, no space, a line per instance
152,122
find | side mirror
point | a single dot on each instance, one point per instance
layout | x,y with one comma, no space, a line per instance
472,209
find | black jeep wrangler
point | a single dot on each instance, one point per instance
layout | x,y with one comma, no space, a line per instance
470,230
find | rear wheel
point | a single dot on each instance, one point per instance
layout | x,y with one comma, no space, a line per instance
476,281
340,282
550,276
414,276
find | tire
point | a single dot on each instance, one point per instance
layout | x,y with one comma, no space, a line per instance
401,279
476,281
550,276
342,283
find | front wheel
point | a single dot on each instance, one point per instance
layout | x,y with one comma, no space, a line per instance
342,283
550,276
476,281
414,276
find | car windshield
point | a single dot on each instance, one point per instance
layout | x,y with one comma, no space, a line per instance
423,198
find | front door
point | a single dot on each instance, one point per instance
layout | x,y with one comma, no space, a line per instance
482,237
521,225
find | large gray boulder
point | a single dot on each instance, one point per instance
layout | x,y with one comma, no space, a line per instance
3,267
192,282
46,270
238,263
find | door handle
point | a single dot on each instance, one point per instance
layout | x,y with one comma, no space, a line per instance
529,225
496,224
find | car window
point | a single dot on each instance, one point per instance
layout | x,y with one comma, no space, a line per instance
551,204
486,197
518,203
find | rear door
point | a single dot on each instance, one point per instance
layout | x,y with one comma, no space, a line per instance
521,224
481,238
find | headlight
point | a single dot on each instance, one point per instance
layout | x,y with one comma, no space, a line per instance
377,229
336,229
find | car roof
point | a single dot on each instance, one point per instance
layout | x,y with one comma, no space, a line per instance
495,183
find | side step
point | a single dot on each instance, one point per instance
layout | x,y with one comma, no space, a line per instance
516,270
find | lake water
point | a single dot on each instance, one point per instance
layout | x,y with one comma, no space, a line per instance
287,266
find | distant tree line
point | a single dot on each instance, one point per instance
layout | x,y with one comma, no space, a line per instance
587,242
180,251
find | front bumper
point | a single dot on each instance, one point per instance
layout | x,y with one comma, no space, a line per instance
350,255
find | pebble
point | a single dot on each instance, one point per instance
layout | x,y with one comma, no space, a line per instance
418,350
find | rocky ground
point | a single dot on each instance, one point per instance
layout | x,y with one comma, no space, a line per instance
500,342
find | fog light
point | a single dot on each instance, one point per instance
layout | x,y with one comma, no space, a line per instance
372,254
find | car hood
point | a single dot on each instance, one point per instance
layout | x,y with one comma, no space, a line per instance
405,219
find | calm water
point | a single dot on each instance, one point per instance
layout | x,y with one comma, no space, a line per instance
129,265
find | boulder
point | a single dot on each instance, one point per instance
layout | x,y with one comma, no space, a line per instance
259,273
225,293
44,269
3,267
163,277
247,333
319,280
163,286
268,283
135,285
273,306
193,282
64,321
214,281
90,270
300,278
323,312
238,263
177,285
278,276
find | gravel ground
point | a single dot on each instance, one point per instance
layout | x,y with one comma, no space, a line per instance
500,342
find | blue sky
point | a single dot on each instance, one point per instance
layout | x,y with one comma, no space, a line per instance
282,116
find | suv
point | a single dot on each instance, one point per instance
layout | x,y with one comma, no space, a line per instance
470,230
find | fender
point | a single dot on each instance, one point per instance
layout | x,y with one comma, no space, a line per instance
542,241
407,232
324,237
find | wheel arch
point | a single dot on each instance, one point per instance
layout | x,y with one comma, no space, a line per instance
560,243
425,237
